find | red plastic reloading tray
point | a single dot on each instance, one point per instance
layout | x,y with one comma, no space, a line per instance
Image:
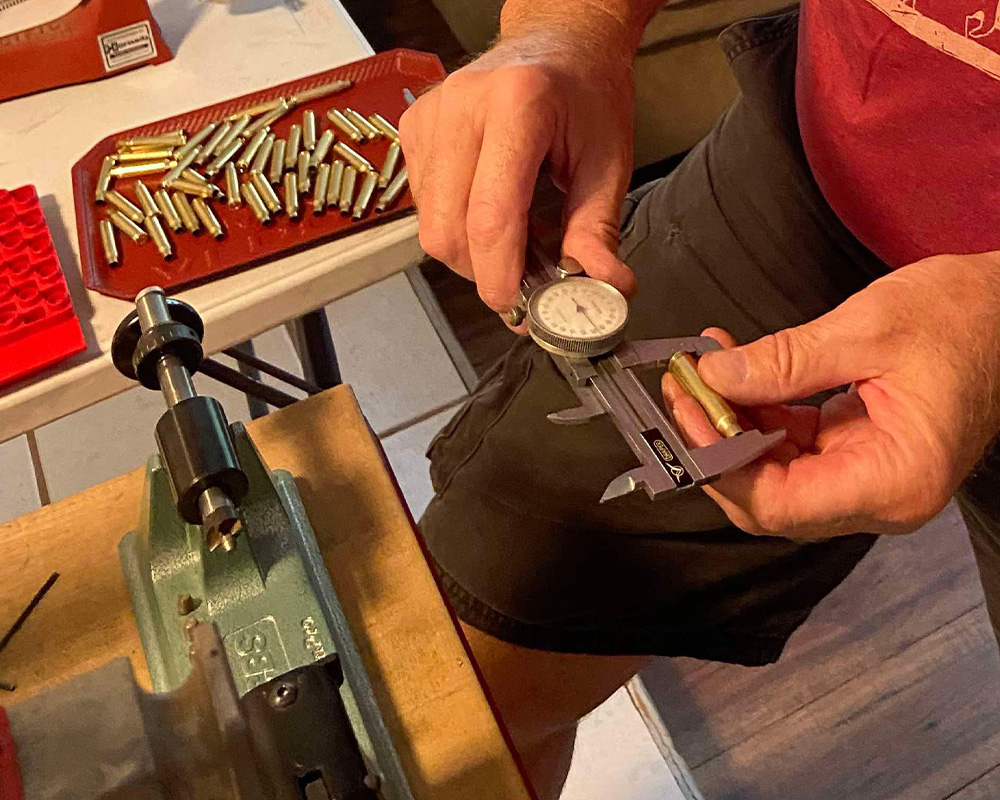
378,87
38,326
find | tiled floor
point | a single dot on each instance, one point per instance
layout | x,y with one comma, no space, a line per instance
408,388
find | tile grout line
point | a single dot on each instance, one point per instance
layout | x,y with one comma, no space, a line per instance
36,464
392,430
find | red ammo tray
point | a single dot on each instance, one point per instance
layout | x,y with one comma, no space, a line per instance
37,324
378,87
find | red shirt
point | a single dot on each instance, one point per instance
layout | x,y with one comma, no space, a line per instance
899,108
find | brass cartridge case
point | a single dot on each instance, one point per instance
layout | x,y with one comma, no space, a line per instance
166,206
235,132
131,157
266,121
183,164
104,179
266,192
389,166
345,126
292,195
142,168
347,190
385,126
207,218
302,178
393,191
253,200
128,227
196,141
210,148
109,243
685,370
292,148
233,198
186,213
263,156
335,181
320,188
223,158
277,162
261,108
322,148
170,139
352,157
368,130
193,175
146,201
250,150
365,195
126,206
196,188
159,237
309,130
323,90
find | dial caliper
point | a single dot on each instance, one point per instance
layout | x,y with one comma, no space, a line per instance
581,322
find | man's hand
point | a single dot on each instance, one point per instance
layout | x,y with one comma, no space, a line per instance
475,144
920,349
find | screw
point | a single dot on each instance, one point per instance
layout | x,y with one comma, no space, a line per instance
283,695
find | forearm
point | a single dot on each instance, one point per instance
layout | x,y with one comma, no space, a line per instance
589,24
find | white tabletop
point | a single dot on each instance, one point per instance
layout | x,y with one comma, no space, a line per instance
220,51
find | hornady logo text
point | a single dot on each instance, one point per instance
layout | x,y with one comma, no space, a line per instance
663,450
119,46
126,46
668,458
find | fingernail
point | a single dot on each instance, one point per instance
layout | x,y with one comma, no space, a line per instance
724,368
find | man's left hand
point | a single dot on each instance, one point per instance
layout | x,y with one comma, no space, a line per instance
920,349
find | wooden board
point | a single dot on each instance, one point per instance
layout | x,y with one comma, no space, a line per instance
449,740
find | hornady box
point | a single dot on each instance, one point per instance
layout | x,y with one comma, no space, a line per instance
50,43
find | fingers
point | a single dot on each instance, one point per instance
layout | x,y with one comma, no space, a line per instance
515,142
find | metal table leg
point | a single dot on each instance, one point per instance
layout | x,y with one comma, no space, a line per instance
319,358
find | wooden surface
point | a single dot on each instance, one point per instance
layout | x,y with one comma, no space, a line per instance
449,740
212,43
890,690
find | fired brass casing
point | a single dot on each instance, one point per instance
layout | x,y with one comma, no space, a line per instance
170,139
303,173
207,218
196,188
131,157
256,204
389,167
320,189
292,195
322,149
208,151
266,121
277,162
142,168
292,148
345,126
393,191
159,237
335,182
166,206
266,192
385,126
146,201
126,206
368,130
234,134
685,370
309,130
260,161
347,190
195,141
365,195
183,164
194,175
233,198
260,108
250,151
352,157
322,90
128,227
186,213
104,179
109,243
223,158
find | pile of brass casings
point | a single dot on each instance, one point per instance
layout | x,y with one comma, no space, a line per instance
242,152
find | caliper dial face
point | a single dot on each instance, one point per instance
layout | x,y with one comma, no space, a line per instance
577,316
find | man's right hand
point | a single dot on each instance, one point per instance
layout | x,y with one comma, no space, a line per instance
475,144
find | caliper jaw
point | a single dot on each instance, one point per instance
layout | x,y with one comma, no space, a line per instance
609,385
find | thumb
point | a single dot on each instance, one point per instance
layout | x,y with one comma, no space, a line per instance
591,220
787,365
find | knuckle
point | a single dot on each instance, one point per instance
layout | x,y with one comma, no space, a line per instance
493,295
437,243
486,223
784,349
